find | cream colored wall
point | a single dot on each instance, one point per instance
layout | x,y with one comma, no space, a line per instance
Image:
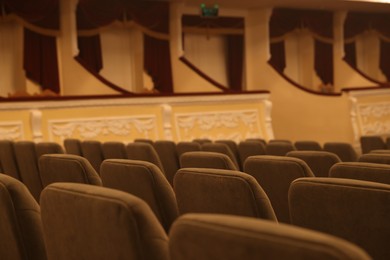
299,115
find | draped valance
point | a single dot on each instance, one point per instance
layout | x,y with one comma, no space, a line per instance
284,20
94,14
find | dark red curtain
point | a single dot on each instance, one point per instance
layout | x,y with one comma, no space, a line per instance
40,51
278,56
152,15
40,60
384,63
323,61
235,57
157,63
285,20
350,54
90,52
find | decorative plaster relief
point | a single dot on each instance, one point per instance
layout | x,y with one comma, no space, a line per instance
374,118
88,128
234,125
11,130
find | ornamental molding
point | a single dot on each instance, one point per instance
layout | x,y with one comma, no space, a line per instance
11,130
89,128
234,125
374,118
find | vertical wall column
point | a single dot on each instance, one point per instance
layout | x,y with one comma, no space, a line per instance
257,51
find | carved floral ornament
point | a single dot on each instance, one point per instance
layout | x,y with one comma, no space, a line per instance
11,131
374,118
234,125
92,128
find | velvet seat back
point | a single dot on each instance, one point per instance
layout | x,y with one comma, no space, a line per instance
344,151
358,211
203,159
144,180
275,174
89,222
200,190
210,237
20,222
375,172
67,168
319,161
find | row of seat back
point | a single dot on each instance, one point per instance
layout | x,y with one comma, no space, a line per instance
20,160
74,226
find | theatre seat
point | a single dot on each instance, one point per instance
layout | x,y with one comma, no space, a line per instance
355,210
93,152
203,159
145,152
67,168
343,150
114,150
221,148
383,158
20,222
144,180
307,145
373,142
210,237
375,172
318,161
89,222
275,174
200,190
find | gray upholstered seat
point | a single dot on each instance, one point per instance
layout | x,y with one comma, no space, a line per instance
275,174
318,161
250,148
373,142
20,222
361,171
203,159
183,147
89,222
169,158
279,148
210,237
343,150
67,168
221,148
27,161
144,180
308,145
93,152
375,158
8,161
200,190
114,150
358,211
42,148
73,146
145,152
